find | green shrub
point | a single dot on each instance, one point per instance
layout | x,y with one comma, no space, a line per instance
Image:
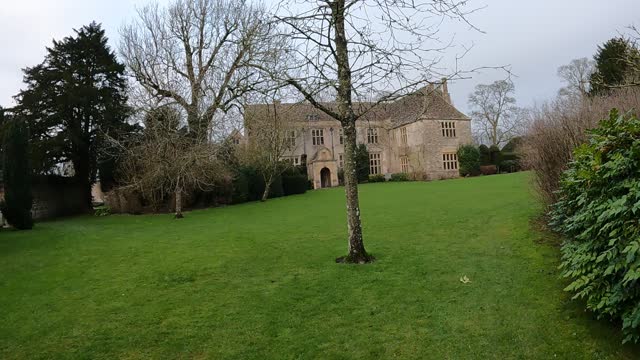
400,177
362,163
469,160
509,166
376,178
295,181
16,207
513,145
495,156
597,211
102,211
485,156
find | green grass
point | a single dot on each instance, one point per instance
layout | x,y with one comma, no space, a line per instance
258,281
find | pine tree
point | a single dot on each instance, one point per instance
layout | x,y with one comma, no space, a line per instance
16,207
74,97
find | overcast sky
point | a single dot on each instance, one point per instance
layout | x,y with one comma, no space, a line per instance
534,37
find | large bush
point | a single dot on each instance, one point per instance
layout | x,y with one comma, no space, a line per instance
597,211
469,160
16,207
294,181
495,155
558,127
485,156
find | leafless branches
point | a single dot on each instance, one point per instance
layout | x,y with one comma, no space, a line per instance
271,137
197,54
576,76
496,117
166,160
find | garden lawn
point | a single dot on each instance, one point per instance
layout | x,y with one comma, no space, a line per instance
259,281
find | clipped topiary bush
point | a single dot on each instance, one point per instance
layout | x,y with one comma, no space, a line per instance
469,160
485,155
400,177
495,156
376,178
598,211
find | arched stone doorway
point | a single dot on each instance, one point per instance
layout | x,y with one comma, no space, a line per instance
325,177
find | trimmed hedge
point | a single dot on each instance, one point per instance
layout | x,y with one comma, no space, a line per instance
294,181
376,178
400,177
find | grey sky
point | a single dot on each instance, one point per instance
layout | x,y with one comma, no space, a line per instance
534,37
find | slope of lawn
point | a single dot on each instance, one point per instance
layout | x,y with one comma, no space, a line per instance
258,281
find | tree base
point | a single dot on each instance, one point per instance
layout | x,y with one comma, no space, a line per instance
178,216
355,259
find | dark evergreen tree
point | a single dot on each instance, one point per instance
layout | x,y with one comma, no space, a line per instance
616,61
485,155
362,163
72,99
16,207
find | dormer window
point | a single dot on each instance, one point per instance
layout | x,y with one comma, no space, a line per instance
313,117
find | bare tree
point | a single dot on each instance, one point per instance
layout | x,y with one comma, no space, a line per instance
271,136
368,53
497,118
576,75
197,54
166,160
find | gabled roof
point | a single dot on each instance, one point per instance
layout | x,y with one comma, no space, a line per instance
425,104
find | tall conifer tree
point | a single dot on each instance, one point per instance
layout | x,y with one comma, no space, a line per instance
77,94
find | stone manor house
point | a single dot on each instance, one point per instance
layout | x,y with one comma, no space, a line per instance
418,134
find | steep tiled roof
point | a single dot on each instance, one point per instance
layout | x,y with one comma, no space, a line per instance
403,111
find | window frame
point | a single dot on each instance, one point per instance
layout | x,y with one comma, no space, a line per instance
404,164
317,137
375,163
372,135
448,129
450,161
290,140
404,138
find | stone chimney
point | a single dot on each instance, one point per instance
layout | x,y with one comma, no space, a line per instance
445,91
427,95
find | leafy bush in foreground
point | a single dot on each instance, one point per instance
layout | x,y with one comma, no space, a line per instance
469,159
598,211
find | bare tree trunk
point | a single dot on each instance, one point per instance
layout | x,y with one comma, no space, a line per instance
267,188
178,203
357,253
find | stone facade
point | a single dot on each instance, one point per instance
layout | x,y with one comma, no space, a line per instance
418,134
